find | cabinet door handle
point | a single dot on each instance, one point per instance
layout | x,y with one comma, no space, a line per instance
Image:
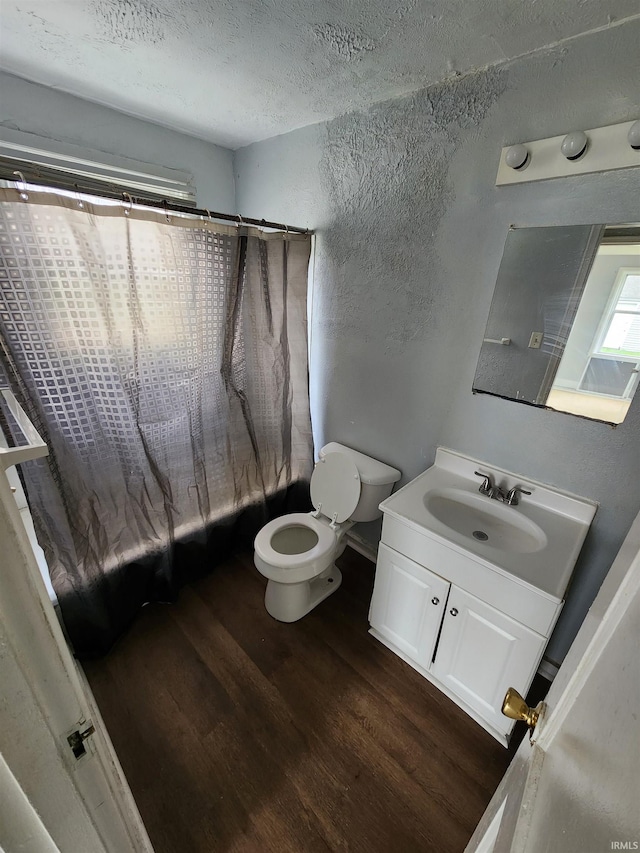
454,611
435,600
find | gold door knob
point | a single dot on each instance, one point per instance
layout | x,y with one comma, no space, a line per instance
516,708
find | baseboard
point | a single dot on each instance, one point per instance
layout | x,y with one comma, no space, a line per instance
548,669
367,549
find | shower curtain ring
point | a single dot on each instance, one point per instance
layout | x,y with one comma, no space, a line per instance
78,199
166,211
24,195
127,197
240,221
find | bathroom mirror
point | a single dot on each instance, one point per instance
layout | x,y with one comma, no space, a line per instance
564,325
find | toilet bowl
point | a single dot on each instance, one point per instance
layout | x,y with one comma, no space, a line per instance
297,552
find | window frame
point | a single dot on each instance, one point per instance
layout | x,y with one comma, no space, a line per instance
608,315
601,333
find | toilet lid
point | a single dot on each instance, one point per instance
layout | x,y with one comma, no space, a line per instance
335,486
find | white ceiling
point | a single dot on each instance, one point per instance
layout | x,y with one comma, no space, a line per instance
237,71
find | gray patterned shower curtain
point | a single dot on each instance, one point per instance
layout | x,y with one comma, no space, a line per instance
165,364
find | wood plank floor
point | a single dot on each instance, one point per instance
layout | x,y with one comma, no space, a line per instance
239,733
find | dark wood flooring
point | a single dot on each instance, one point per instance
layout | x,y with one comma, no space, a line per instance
239,733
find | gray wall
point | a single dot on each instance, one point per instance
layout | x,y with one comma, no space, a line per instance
37,109
410,232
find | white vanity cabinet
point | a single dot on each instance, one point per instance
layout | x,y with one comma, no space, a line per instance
482,653
466,646
407,605
470,579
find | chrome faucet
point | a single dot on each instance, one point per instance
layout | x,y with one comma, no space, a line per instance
512,498
486,487
491,490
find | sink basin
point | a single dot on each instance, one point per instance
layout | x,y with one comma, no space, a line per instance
484,520
537,541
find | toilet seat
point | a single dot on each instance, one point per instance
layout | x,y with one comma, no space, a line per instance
335,486
292,565
335,493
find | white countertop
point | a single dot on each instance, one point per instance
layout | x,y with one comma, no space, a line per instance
564,519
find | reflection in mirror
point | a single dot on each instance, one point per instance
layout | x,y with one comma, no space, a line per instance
564,326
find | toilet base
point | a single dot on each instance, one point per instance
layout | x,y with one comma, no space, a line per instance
288,602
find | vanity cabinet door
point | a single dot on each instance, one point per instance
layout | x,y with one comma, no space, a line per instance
407,605
481,653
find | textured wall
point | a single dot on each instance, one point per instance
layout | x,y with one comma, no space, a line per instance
237,72
37,109
410,232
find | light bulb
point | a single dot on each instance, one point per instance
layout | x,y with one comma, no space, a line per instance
517,157
634,135
574,144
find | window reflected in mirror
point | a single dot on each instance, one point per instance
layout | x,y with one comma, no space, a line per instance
598,372
564,327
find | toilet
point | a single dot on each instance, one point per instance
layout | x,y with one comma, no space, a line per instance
297,552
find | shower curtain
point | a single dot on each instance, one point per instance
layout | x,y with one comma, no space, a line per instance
164,361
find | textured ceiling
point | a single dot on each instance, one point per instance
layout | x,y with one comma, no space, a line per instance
237,71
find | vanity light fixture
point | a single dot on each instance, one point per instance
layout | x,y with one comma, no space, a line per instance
633,137
574,144
517,157
579,152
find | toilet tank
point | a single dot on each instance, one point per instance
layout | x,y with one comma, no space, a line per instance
377,480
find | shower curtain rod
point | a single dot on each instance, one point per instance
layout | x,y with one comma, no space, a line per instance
162,205
211,214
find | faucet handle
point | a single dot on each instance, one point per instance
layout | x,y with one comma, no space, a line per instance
486,486
512,495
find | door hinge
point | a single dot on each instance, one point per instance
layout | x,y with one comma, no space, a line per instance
76,740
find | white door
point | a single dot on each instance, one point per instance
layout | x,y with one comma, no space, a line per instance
482,652
576,789
407,604
52,798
